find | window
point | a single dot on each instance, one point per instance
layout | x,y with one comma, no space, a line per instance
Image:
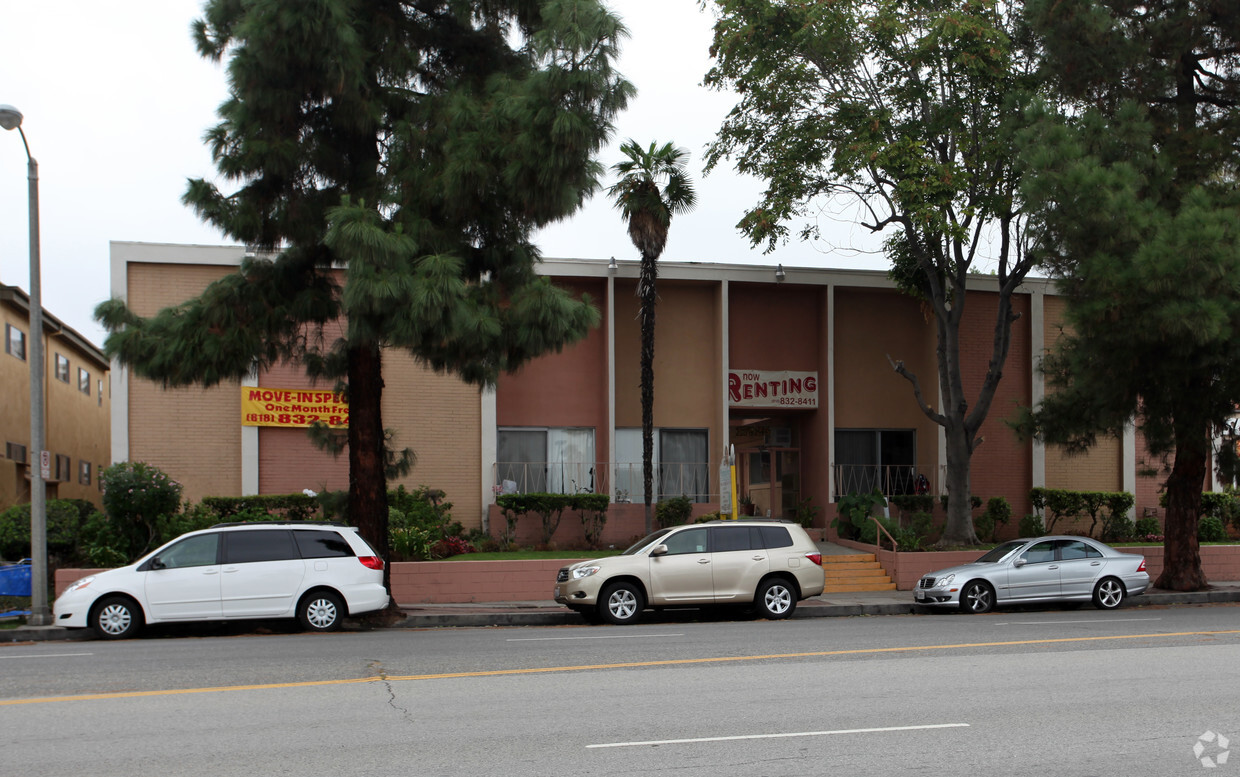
1070,549
15,451
14,342
866,459
260,545
554,460
1040,553
62,368
84,472
687,541
199,551
681,467
99,480
726,538
83,381
63,471
100,392
321,544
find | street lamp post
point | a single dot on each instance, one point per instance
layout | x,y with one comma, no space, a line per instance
40,614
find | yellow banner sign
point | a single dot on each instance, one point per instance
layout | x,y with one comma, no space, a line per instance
292,407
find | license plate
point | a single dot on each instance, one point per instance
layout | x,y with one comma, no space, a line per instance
557,593
920,597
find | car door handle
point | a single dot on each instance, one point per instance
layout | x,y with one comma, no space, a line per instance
759,557
230,569
703,561
1095,563
1053,566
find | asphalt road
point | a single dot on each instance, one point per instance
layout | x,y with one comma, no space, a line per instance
1036,692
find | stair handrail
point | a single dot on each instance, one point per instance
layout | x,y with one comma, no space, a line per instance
895,550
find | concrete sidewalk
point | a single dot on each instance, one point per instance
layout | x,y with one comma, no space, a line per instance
548,613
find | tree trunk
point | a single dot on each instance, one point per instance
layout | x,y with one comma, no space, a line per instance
958,530
646,295
368,508
1181,551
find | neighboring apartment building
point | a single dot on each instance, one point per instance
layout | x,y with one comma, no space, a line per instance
790,369
77,401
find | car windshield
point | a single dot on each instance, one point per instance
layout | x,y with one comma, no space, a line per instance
645,542
1001,552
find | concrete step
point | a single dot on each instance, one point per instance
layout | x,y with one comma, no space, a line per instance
855,574
841,588
851,558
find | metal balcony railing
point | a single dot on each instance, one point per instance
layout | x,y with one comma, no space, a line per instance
889,479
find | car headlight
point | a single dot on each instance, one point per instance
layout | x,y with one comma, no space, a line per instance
942,581
79,585
581,572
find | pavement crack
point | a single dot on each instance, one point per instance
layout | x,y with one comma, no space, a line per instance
375,668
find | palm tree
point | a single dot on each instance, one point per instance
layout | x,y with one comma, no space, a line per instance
652,186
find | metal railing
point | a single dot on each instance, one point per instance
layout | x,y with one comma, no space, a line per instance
889,479
671,479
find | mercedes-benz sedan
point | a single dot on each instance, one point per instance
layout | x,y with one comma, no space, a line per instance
1042,569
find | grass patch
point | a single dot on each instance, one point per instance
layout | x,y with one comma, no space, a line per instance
528,555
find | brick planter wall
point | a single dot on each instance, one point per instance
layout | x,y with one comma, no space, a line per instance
1219,562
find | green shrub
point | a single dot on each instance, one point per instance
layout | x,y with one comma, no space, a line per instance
280,507
64,522
914,503
592,509
674,511
997,513
1147,528
806,512
1031,526
853,511
1118,529
136,496
1211,529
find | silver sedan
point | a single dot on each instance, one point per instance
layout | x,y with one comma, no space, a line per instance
1042,569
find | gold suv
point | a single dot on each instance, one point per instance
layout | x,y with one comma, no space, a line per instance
769,564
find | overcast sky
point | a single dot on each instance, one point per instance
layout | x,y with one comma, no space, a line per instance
116,101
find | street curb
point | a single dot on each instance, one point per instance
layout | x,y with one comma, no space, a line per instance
500,614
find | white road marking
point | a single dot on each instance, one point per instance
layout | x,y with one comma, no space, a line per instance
616,636
50,655
1057,623
885,729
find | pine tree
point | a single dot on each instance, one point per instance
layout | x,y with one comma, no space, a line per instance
1135,185
394,157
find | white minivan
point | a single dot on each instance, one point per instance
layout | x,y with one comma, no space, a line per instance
318,573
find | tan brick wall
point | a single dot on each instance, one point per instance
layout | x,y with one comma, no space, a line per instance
1101,467
193,434
440,418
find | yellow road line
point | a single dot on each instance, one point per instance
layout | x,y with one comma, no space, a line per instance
591,667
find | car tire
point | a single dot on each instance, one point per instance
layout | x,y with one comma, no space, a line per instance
977,598
776,599
621,603
321,611
1109,593
116,617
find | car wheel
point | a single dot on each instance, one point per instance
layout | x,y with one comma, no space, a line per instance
1108,594
116,617
977,597
776,599
621,603
321,611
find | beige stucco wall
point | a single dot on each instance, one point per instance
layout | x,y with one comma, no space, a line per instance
77,424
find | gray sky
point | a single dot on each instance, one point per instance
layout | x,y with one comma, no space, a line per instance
116,101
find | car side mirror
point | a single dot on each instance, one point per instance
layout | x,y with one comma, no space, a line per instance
658,550
156,563
1020,562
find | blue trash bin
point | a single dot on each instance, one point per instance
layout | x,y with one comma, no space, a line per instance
15,579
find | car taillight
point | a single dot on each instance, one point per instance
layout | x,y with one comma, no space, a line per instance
371,562
1141,566
814,557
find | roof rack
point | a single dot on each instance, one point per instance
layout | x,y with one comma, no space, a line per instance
280,523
